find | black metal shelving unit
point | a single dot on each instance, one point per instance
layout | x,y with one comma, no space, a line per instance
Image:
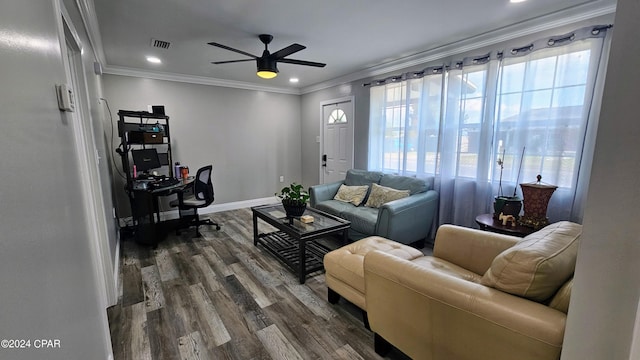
142,130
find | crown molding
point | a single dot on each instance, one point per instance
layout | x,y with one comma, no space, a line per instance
90,22
201,80
539,24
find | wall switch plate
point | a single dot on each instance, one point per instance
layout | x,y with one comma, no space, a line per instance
281,178
97,68
318,139
65,96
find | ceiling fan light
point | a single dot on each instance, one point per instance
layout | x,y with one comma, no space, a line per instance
267,74
267,68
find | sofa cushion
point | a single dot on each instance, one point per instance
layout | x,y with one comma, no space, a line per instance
537,265
352,194
560,300
381,195
334,207
357,177
363,219
414,185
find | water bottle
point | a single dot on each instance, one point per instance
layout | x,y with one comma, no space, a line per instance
176,170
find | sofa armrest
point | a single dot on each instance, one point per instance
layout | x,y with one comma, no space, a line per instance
323,192
471,249
429,314
409,219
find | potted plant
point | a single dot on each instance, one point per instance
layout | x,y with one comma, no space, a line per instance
507,205
294,199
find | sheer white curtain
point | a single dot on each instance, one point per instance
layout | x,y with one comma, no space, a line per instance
452,122
405,124
462,175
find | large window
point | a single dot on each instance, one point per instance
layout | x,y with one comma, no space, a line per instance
542,107
529,106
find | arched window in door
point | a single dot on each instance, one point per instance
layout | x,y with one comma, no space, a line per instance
337,116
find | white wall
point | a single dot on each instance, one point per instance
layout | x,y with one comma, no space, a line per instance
101,135
605,295
46,273
250,137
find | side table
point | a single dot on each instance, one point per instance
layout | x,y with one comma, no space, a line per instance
488,223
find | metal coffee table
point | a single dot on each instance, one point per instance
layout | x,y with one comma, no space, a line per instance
294,243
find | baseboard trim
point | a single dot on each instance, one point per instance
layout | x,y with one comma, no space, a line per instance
238,205
116,269
173,214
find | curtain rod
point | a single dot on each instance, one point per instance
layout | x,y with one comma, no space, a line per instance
597,31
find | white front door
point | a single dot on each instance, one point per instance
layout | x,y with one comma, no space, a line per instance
337,146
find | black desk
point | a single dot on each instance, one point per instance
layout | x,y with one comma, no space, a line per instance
149,229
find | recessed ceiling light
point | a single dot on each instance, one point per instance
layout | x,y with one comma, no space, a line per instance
516,1
294,80
153,59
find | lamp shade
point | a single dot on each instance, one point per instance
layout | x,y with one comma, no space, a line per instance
267,68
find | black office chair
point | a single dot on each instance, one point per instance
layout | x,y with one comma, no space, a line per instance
202,196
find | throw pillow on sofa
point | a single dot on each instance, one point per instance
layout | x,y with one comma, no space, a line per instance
537,265
351,194
382,195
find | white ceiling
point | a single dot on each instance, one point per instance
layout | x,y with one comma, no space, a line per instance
348,35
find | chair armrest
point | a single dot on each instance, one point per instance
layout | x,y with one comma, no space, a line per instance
468,248
323,192
408,219
424,312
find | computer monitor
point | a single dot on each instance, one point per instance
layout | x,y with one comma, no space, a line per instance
146,159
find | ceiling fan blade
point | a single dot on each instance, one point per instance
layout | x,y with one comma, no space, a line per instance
293,48
232,49
231,61
302,62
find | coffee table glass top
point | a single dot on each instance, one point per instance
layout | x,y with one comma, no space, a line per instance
321,220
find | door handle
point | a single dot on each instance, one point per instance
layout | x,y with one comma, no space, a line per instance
324,160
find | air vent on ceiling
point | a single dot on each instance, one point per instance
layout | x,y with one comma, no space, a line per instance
160,44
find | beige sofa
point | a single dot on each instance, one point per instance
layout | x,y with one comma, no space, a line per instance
480,296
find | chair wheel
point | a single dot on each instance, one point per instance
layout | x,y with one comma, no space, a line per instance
218,227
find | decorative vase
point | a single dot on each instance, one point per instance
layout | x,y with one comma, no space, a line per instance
294,208
536,199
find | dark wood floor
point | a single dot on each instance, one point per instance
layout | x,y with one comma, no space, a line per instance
219,297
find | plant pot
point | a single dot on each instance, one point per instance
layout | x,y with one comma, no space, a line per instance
507,205
294,208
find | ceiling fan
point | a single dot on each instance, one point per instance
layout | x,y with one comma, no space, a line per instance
267,63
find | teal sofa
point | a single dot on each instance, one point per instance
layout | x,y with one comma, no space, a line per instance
408,220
